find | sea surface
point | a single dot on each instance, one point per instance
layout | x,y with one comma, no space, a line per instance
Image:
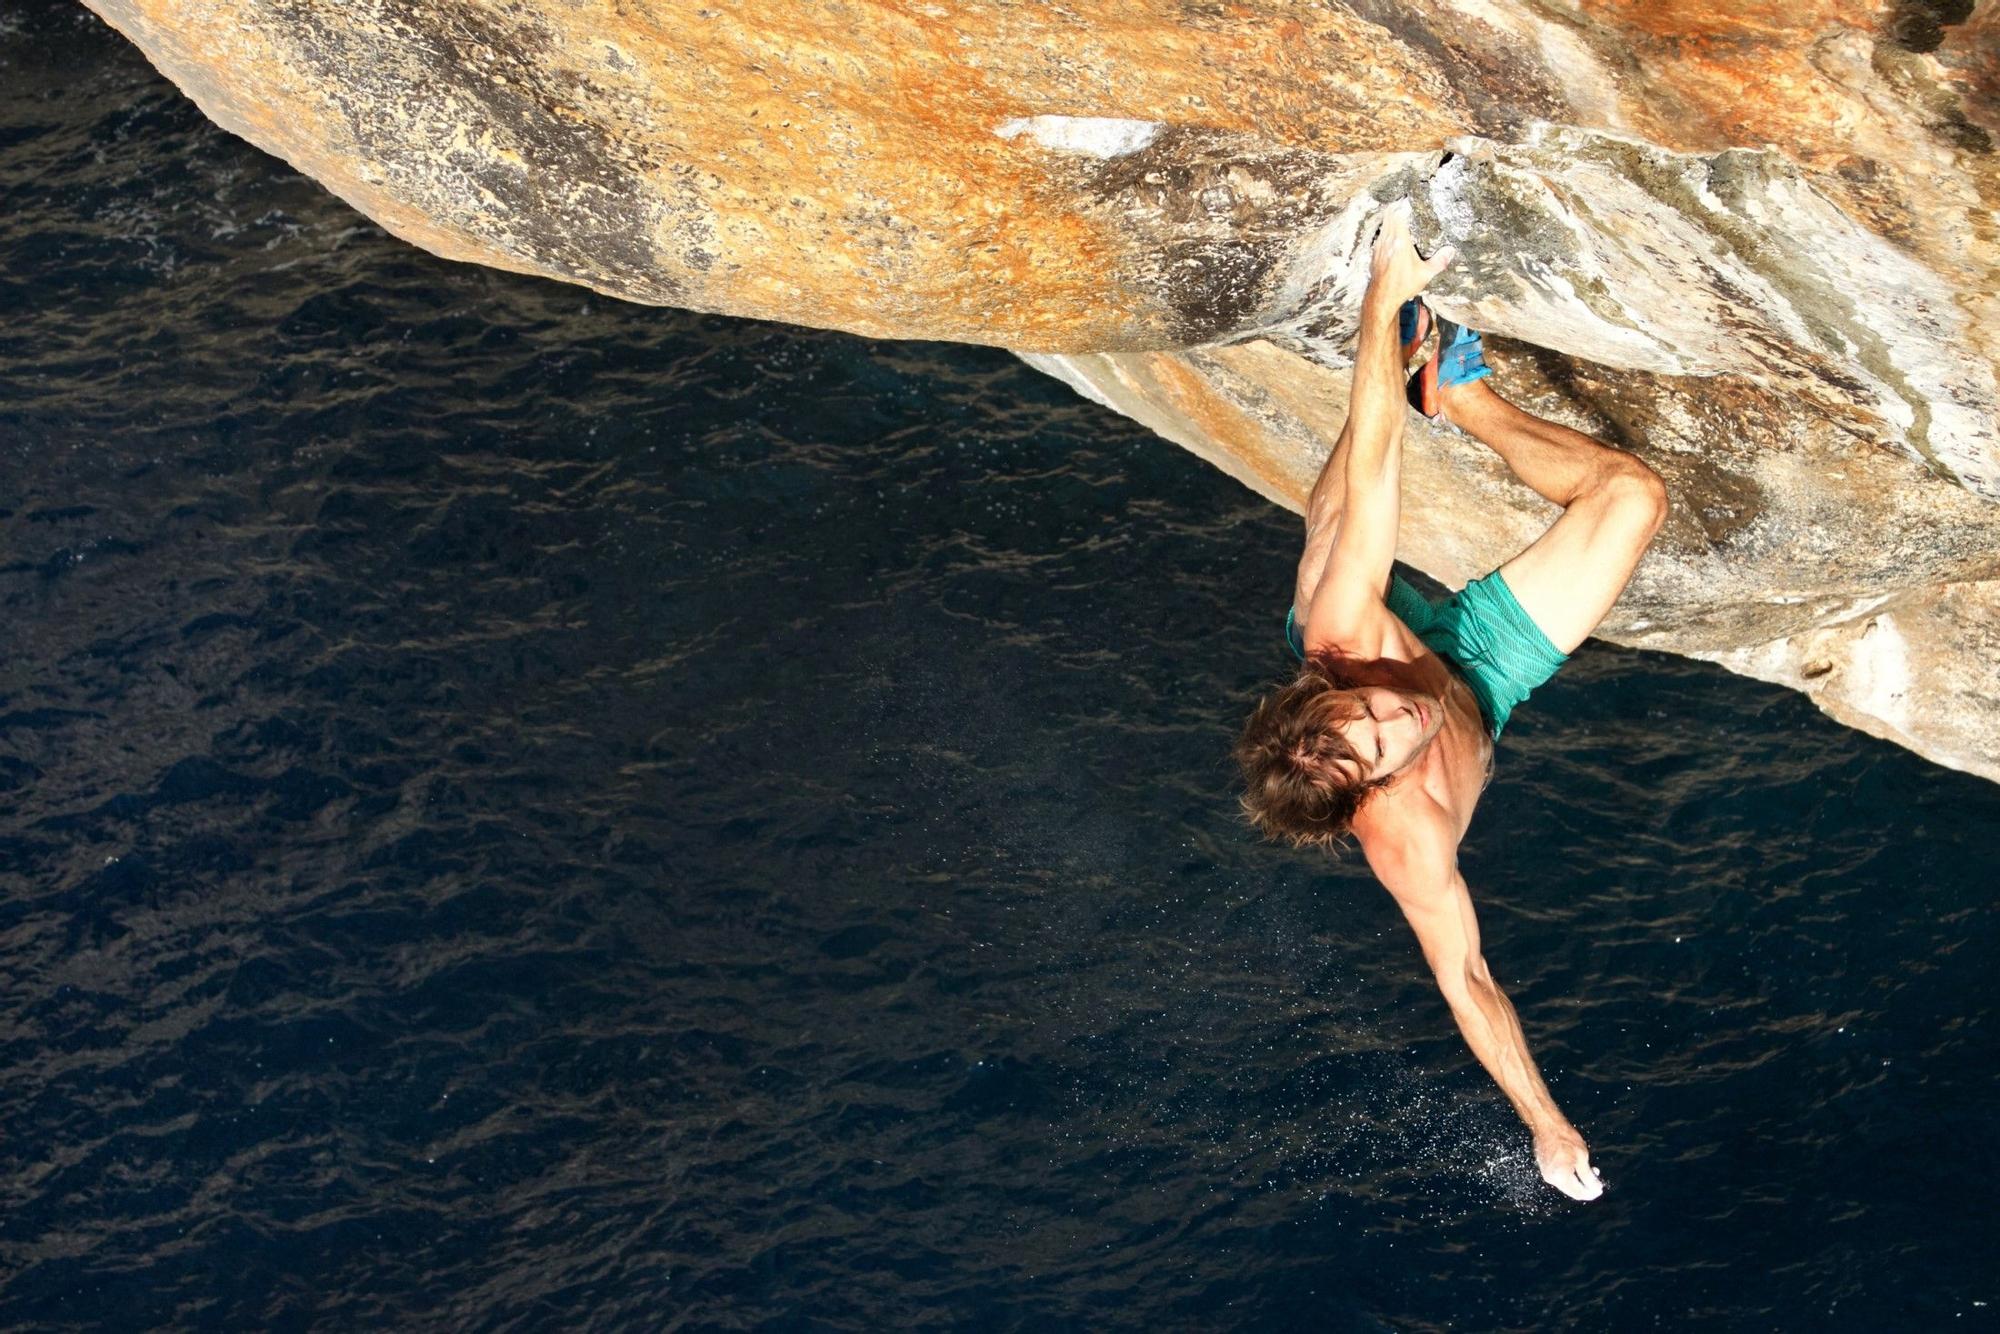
521,811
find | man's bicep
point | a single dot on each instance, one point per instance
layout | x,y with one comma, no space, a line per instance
1347,605
1421,874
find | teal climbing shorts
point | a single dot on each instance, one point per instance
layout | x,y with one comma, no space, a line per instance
1481,632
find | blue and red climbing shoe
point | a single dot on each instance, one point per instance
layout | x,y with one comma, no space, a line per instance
1461,357
1413,326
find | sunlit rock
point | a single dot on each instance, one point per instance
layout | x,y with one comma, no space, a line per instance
1755,243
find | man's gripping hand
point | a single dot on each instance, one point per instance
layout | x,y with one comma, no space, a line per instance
1565,1162
1397,272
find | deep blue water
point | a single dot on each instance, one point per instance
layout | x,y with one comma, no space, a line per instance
522,811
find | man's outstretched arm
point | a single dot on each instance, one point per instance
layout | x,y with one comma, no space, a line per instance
1421,872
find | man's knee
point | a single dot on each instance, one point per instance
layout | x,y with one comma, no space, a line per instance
1635,489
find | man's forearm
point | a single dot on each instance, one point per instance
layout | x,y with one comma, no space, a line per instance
1487,1019
1376,412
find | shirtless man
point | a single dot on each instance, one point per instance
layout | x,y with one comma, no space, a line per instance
1388,730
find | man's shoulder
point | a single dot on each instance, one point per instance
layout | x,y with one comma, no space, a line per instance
1406,828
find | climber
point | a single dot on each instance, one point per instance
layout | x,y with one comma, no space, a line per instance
1388,729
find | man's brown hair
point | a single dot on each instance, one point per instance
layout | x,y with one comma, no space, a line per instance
1299,772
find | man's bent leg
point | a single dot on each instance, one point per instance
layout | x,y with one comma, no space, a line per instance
1612,502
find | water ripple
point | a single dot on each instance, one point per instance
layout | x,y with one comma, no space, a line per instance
520,810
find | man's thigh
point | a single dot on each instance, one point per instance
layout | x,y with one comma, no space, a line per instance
1568,579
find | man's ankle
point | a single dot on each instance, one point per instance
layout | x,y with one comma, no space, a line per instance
1456,402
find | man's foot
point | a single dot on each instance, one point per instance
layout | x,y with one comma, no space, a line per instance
1460,357
1413,325
1461,365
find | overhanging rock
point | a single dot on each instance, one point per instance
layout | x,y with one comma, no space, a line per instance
1757,248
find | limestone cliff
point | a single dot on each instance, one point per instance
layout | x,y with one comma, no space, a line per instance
1757,243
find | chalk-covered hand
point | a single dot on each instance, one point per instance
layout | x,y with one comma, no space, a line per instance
1397,272
1565,1163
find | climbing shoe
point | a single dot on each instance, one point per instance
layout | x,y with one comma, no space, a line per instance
1413,327
1460,358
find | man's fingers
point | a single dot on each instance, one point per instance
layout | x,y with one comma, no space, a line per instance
1581,1185
1589,1184
1395,222
1396,259
1572,1174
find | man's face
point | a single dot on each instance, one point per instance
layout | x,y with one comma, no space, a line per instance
1393,729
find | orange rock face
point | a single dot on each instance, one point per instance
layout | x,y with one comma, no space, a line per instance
834,164
1756,242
